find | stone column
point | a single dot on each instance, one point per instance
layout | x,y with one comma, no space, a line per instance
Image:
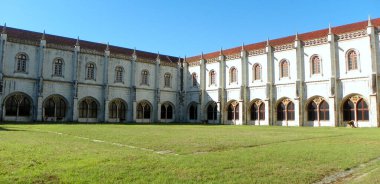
222,89
270,100
300,94
202,83
40,80
3,41
132,88
157,96
105,83
334,85
375,76
244,92
76,70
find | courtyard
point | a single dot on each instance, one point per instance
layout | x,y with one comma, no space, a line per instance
116,153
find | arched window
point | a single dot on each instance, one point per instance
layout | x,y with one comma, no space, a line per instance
166,111
362,109
143,110
145,77
193,112
90,68
233,111
88,108
316,65
348,111
58,67
194,79
17,105
233,75
285,110
119,74
117,109
256,72
167,80
352,60
284,69
55,106
212,77
258,111
212,111
324,111
312,111
21,63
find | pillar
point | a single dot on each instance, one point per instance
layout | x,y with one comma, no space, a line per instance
300,94
132,88
202,83
105,84
222,89
75,89
40,79
334,85
3,41
269,86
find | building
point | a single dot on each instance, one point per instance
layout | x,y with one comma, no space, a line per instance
321,78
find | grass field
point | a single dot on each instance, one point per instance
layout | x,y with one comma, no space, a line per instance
184,154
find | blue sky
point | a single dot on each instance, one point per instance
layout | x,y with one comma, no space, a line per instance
180,27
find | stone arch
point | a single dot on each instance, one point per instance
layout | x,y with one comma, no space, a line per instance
357,113
192,111
117,109
232,109
167,110
18,106
55,108
256,110
144,110
285,110
211,111
317,109
89,107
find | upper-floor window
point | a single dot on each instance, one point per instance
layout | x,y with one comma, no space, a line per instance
256,72
352,60
315,65
58,67
21,62
233,75
194,79
212,77
119,74
145,77
167,80
284,69
90,69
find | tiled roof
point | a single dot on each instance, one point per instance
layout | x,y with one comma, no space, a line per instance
290,39
64,41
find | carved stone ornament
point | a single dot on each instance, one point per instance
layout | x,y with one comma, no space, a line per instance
258,103
355,99
318,100
286,101
234,103
18,98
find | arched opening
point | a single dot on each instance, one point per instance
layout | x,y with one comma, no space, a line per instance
193,111
257,111
233,111
143,110
18,105
212,111
285,110
118,110
318,110
166,111
355,109
88,108
55,108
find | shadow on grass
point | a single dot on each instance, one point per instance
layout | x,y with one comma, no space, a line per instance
7,129
101,123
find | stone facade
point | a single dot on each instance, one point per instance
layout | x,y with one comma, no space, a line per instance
322,78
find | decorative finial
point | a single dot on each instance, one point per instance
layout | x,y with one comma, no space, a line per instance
108,46
4,29
185,58
158,55
43,36
221,51
296,36
77,43
242,47
267,41
369,21
202,55
330,31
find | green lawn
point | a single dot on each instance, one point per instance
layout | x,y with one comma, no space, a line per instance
181,153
